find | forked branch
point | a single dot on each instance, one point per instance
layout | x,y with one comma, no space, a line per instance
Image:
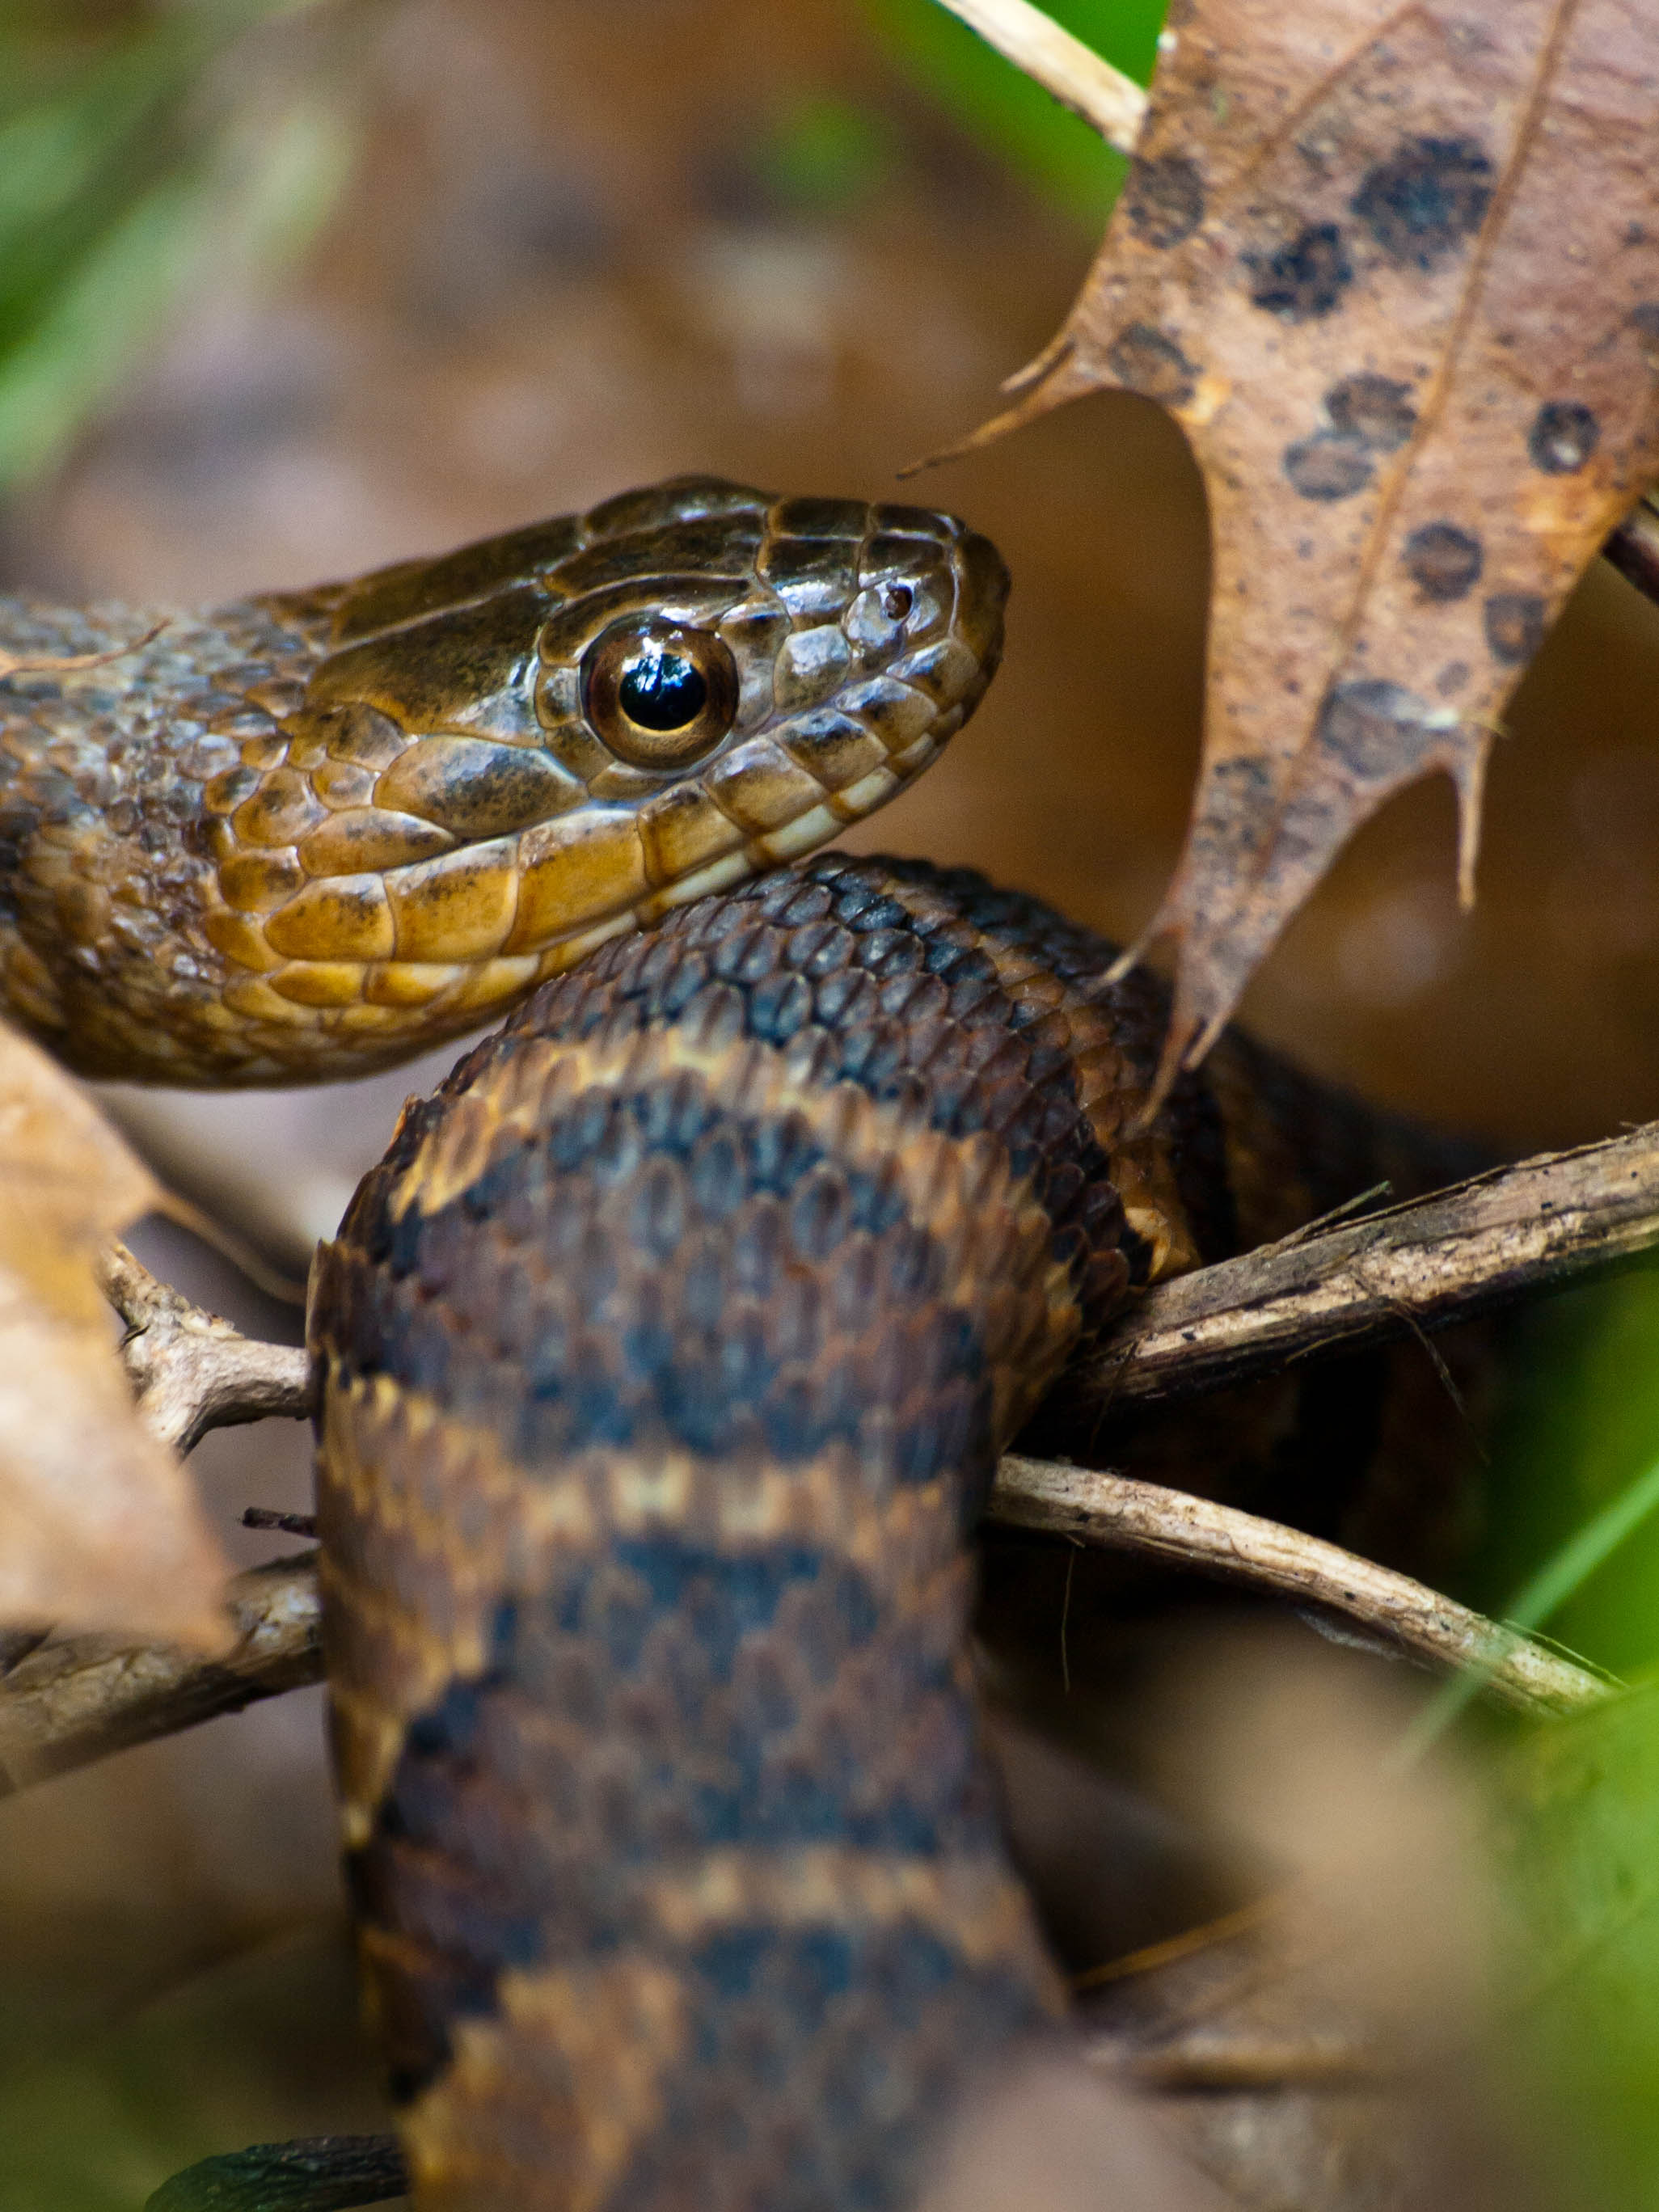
191,1371
1545,1223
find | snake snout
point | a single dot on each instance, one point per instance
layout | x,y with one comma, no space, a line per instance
501,756
982,583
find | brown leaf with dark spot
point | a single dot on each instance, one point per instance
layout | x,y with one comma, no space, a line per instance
99,1525
1395,271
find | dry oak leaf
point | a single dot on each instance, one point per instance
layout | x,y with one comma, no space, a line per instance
1395,271
99,1525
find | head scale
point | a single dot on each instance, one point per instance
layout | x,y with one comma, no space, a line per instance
524,747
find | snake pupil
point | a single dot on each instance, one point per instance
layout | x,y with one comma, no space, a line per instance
662,690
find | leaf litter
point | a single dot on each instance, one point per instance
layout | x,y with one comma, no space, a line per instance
98,1524
1395,269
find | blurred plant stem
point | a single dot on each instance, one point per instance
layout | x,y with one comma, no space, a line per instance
1063,156
1561,1576
138,156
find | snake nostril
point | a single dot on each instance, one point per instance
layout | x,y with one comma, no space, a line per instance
896,602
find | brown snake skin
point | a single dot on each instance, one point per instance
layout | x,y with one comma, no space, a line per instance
668,1352
305,835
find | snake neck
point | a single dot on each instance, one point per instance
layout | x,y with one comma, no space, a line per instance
107,876
667,1357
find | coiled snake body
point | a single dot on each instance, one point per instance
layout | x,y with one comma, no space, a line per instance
668,1352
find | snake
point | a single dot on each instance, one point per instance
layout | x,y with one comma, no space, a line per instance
666,1356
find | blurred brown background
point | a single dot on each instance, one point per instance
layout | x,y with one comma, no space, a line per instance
580,248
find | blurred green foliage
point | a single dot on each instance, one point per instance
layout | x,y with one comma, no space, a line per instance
1581,1436
122,2065
130,160
1575,1547
823,156
137,160
1014,117
1577,1812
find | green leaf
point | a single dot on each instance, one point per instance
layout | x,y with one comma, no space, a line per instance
1580,1432
327,2173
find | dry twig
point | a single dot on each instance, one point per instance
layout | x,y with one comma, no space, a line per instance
1070,72
73,1701
1196,1533
1540,1225
1634,548
1204,2059
189,1371
70,1703
1544,1222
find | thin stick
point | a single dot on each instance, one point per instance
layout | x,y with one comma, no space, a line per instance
77,1700
1546,1223
191,1371
1154,1523
291,1524
61,664
1208,2059
1072,73
71,1702
1634,548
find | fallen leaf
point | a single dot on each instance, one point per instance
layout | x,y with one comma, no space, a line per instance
99,1525
1395,269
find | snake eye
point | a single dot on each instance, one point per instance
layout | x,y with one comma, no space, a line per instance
659,694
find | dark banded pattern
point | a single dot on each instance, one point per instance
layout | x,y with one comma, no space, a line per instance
668,1355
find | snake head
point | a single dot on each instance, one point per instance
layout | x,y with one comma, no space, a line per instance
508,753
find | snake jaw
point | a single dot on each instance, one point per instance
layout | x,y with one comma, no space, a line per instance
304,836
444,821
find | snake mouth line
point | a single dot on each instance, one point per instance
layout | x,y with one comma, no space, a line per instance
310,833
486,914
452,825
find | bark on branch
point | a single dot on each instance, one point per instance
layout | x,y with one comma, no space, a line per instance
191,1371
1195,1532
75,1701
1549,1222
69,1703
